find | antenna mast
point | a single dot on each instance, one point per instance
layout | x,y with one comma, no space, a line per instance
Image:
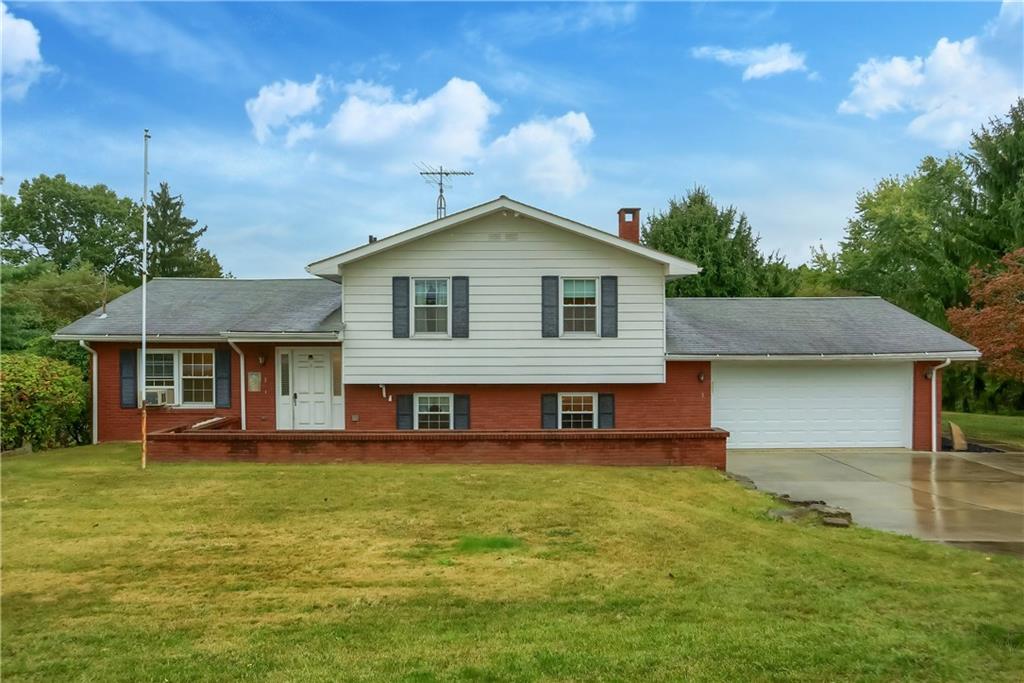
440,176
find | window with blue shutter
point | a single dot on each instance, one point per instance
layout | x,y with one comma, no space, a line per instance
609,306
460,307
549,305
400,307
129,378
222,373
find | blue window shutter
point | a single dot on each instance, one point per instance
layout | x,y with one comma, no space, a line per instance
222,371
609,306
549,411
403,411
606,411
400,308
461,412
129,379
549,305
460,306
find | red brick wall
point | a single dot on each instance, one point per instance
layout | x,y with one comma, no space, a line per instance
682,402
124,424
922,413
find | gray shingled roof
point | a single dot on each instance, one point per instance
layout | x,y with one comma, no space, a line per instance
800,326
200,307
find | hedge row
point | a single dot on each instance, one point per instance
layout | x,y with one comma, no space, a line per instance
44,402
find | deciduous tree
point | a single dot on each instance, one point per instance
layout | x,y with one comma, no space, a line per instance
994,321
721,241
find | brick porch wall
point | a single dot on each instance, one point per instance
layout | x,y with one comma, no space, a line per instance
704,447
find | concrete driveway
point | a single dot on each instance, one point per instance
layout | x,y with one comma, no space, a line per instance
973,500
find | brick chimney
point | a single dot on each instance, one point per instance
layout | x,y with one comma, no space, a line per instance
629,224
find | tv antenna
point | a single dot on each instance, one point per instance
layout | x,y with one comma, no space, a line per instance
440,176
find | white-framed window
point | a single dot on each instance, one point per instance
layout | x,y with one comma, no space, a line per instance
579,305
577,411
431,310
160,376
432,411
180,377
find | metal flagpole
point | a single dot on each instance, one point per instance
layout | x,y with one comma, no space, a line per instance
145,275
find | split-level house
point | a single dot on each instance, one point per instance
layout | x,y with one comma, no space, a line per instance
506,333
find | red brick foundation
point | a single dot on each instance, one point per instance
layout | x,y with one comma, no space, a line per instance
703,447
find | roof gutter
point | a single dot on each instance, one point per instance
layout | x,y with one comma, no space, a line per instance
95,387
933,372
136,337
266,337
241,378
922,355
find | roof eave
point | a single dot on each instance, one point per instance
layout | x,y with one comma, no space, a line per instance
919,355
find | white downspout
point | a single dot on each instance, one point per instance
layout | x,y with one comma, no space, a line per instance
95,387
935,410
241,378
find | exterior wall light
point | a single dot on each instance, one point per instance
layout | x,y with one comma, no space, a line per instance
700,376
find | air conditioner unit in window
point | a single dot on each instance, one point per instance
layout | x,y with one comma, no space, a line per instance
159,397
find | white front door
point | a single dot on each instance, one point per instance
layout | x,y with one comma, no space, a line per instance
304,389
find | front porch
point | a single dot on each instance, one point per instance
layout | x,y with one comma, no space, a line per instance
221,439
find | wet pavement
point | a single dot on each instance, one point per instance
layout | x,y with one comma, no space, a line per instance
973,500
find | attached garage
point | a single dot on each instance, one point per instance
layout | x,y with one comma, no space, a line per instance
842,372
817,404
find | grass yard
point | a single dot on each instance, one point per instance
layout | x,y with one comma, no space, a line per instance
422,573
996,429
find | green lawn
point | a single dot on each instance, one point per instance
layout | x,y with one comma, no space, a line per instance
422,573
997,429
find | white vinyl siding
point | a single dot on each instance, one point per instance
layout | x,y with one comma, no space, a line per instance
504,258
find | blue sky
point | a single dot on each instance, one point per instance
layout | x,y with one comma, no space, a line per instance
293,130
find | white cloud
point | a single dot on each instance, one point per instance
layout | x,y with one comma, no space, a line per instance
951,91
296,134
527,25
447,126
374,129
278,103
758,62
544,152
22,60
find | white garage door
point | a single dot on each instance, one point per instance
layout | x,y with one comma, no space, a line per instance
818,404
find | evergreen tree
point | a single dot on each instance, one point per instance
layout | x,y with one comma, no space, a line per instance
174,249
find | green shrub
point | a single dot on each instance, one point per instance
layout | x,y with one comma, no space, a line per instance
43,402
